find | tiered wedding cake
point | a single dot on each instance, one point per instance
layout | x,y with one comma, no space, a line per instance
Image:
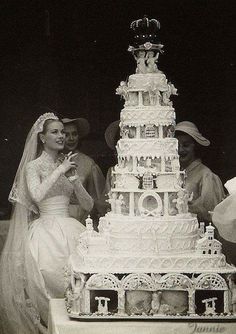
151,257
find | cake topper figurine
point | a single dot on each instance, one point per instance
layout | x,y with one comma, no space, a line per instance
151,62
141,64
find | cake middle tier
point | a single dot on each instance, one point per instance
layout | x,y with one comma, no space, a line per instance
153,147
147,235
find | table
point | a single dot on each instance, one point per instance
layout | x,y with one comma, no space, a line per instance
60,323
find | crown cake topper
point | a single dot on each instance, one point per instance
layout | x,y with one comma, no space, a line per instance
145,34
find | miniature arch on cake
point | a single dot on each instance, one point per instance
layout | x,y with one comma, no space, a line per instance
145,211
138,282
176,281
212,281
103,281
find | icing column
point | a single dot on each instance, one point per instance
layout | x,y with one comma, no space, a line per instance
121,302
191,301
131,203
166,204
226,301
161,131
131,194
140,98
138,132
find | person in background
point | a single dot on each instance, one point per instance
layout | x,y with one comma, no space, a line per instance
206,186
224,218
42,235
89,173
112,135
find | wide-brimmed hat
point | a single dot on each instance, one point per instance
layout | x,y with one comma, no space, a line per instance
81,123
191,129
111,134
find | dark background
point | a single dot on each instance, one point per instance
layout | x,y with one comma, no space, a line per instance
72,55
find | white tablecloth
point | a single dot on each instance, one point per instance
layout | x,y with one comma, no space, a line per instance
60,323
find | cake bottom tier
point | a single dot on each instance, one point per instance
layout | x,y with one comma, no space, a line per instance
149,295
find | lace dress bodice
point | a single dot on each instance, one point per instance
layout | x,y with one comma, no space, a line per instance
45,180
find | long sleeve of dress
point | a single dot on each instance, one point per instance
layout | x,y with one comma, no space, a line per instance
95,182
38,189
212,193
84,199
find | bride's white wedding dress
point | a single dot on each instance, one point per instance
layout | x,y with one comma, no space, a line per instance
53,236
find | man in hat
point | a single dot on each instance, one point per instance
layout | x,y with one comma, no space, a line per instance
206,187
89,173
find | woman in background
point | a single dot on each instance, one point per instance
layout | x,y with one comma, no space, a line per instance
89,172
112,135
206,187
41,235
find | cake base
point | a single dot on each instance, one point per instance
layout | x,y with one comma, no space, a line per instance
150,295
230,318
59,322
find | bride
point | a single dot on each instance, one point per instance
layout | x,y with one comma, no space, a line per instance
41,235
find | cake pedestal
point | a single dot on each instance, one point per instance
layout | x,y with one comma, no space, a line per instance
59,323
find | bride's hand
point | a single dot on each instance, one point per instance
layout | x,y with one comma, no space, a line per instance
67,163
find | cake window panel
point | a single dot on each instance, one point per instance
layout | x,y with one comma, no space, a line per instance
132,132
129,132
148,203
138,302
150,162
172,210
168,165
109,300
168,131
156,163
210,295
123,203
133,99
146,99
174,302
150,131
128,164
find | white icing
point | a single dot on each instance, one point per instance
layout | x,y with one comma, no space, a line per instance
119,263
148,236
154,148
147,115
143,82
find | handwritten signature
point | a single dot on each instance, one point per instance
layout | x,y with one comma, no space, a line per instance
196,328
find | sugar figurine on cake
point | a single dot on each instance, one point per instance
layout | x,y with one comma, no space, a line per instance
150,257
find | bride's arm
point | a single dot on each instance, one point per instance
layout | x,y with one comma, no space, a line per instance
38,188
84,199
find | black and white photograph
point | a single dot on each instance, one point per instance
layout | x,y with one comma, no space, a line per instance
118,166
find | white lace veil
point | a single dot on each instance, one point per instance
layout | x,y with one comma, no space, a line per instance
18,314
